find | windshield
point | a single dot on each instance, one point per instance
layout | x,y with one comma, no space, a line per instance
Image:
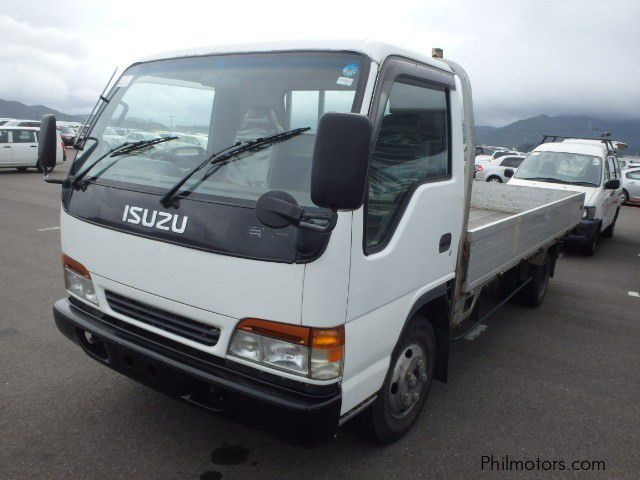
213,102
561,167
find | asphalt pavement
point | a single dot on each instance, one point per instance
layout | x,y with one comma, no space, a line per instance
560,382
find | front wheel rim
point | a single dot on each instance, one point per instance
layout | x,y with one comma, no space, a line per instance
407,380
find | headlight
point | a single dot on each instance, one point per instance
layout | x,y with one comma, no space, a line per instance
589,213
310,352
77,280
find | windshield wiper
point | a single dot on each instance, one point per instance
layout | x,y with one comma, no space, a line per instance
226,155
123,149
583,184
543,179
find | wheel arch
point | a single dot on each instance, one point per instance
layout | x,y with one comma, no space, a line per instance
435,307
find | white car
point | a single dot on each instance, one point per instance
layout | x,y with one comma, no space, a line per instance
631,185
19,147
495,171
583,166
629,162
23,123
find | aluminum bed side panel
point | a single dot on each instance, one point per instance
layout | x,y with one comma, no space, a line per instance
496,247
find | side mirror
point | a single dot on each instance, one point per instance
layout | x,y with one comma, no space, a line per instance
508,172
340,161
612,184
47,143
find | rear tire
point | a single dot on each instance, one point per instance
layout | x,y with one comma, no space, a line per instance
494,180
407,383
534,292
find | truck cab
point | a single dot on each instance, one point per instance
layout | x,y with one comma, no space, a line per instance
582,165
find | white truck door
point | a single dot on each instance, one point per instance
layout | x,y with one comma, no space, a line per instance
6,152
405,238
25,147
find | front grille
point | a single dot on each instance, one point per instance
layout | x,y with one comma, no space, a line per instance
170,322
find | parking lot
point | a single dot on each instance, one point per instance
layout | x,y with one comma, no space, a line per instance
556,383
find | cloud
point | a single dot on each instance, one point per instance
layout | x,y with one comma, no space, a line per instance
40,66
524,57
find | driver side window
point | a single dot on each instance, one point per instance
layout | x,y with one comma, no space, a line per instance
412,147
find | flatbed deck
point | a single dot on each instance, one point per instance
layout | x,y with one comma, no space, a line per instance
508,223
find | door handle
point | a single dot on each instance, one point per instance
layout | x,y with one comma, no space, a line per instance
34,146
7,146
445,243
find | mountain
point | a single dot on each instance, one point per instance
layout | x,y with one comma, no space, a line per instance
522,134
525,134
12,109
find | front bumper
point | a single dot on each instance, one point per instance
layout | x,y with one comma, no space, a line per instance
583,234
185,372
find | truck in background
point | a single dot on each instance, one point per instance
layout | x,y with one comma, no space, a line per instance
323,250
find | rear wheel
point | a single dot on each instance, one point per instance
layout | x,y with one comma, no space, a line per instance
407,383
494,180
533,293
625,197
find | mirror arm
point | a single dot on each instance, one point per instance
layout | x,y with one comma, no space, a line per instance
309,225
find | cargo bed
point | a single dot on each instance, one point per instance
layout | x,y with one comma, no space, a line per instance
509,223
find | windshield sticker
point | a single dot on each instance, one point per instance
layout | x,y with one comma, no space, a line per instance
346,81
125,80
350,70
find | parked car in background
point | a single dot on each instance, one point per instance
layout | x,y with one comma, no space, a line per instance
19,148
23,123
582,166
495,171
67,134
628,162
631,185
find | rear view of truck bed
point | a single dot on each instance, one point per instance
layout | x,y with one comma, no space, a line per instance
509,223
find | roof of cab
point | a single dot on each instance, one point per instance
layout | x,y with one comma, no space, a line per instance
375,50
584,148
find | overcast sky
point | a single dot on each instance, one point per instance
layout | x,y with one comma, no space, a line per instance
524,57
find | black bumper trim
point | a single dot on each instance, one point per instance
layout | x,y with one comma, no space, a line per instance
583,234
72,321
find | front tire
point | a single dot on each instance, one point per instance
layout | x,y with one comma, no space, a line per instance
589,250
21,169
407,383
608,232
534,292
625,197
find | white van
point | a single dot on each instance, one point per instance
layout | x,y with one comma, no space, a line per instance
586,166
19,148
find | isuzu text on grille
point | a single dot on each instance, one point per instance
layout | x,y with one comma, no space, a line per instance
154,219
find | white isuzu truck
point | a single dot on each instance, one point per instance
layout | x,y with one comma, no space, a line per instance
316,250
